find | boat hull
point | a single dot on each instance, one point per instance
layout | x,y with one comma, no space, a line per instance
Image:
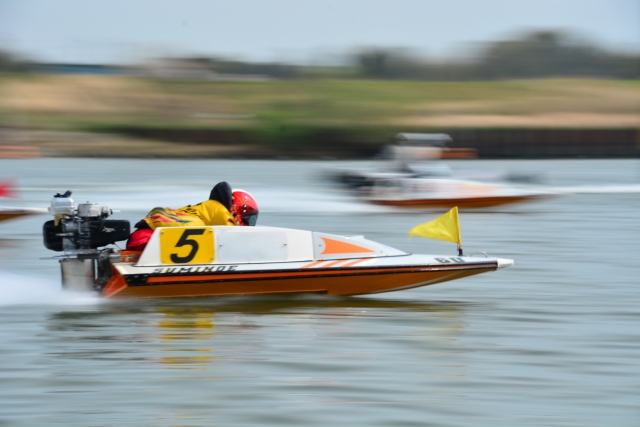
446,193
461,203
348,281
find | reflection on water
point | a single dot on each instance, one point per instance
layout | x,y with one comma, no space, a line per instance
305,352
182,325
188,332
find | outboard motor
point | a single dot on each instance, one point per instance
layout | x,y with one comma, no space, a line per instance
79,234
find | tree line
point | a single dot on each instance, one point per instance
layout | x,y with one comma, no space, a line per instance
538,54
534,55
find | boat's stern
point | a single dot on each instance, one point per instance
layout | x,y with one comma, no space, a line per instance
81,233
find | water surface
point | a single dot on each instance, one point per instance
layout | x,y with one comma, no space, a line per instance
553,340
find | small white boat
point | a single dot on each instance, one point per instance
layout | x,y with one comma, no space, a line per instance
208,261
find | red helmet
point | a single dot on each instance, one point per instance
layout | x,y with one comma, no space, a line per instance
244,208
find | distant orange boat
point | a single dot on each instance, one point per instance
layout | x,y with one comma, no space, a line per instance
446,193
413,177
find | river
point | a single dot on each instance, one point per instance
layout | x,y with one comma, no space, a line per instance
552,341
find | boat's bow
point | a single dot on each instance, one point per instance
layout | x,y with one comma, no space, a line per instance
504,262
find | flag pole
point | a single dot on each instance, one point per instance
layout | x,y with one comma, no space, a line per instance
458,229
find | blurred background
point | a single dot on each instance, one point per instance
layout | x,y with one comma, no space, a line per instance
209,79
137,104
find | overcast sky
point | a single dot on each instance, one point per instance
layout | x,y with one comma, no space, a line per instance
302,31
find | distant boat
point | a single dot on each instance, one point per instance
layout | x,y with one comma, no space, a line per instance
7,213
8,189
413,176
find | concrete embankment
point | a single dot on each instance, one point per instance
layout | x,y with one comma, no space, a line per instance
305,143
341,143
550,143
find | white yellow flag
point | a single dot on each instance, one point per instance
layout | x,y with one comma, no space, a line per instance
445,227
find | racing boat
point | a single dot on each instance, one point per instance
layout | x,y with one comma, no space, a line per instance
208,261
413,176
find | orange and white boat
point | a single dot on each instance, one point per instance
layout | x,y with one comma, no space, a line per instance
208,261
413,176
446,193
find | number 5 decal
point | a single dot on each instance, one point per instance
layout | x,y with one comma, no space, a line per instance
186,245
184,240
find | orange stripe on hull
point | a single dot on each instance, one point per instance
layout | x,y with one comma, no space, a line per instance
334,263
358,261
313,264
331,284
273,275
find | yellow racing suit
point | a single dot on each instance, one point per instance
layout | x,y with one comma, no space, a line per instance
209,212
